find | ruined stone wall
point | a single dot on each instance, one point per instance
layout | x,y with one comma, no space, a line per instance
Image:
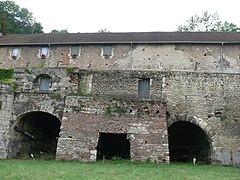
209,100
27,98
113,106
213,99
6,105
125,83
159,57
84,118
89,102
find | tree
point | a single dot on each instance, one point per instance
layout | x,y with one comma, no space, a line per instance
16,20
207,23
103,31
57,32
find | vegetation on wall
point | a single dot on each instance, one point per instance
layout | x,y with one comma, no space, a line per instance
56,96
6,75
115,109
42,64
13,86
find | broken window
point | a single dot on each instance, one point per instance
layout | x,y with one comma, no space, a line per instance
15,53
44,52
144,88
44,83
107,51
74,51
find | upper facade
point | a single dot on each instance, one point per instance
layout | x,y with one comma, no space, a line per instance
160,51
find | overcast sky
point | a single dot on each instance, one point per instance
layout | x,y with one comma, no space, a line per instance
125,15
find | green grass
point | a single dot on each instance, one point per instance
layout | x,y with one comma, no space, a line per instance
50,169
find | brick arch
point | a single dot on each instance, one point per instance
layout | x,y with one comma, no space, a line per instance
39,111
29,109
18,121
197,121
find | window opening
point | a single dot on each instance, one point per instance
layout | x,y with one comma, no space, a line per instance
44,83
44,52
74,51
107,51
144,88
15,53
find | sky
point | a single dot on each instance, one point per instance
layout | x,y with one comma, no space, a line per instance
125,15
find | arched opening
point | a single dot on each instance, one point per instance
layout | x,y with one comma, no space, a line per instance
38,133
113,146
188,141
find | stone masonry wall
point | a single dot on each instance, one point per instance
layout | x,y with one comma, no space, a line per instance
158,57
110,99
213,99
27,98
6,105
84,118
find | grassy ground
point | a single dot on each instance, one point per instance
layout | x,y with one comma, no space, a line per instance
43,169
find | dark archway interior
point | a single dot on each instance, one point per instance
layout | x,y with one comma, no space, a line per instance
39,133
113,145
188,141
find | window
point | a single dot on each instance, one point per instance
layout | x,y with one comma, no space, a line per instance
107,51
74,51
15,53
44,52
44,83
144,88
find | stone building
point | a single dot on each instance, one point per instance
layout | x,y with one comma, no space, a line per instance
154,96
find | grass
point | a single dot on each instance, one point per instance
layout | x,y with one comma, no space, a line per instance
50,169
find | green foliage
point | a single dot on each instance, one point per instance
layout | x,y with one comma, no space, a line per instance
207,23
59,32
16,20
103,31
28,70
6,75
69,69
33,91
116,158
13,86
221,117
111,110
56,96
42,64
